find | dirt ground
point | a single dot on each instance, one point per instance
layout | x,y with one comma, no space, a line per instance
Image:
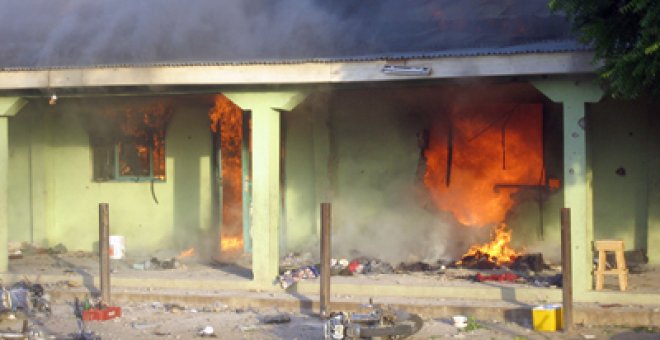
161,321
158,320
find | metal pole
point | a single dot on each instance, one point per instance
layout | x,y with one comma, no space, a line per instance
566,269
326,223
104,253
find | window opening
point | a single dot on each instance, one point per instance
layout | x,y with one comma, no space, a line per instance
129,144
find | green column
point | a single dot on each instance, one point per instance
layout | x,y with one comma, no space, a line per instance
8,108
577,185
653,240
266,194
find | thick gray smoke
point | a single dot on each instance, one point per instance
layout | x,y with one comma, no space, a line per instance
36,33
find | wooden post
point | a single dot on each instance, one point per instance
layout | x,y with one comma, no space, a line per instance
104,253
326,223
566,269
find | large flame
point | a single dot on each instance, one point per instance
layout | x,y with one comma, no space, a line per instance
471,150
476,147
497,250
227,120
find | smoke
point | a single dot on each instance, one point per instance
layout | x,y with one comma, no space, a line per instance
404,232
37,33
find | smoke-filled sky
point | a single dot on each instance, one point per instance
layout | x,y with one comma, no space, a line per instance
45,33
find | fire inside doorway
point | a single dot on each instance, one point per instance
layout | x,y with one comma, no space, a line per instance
477,157
231,150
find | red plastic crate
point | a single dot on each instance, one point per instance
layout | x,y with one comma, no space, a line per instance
106,313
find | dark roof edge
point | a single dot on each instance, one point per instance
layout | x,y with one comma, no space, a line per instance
566,46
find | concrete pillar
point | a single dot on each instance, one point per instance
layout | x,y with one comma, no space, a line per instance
577,184
653,187
8,108
266,194
321,154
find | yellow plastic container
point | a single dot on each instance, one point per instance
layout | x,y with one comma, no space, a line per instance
547,318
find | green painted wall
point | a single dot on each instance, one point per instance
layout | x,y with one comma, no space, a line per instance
624,139
67,204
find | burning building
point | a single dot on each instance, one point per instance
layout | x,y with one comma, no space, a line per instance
437,131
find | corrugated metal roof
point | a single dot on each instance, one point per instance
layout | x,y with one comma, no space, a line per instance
75,33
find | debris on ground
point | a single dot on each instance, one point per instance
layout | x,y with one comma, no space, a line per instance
296,260
290,277
95,309
26,297
503,277
376,322
157,264
207,331
276,319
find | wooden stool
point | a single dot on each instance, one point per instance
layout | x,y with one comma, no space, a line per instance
617,247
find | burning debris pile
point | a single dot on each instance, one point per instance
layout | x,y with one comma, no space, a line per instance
527,269
477,157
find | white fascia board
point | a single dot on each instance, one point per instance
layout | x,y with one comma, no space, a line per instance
298,73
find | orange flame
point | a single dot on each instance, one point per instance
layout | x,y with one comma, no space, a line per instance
143,128
231,244
474,149
227,120
477,147
498,250
187,253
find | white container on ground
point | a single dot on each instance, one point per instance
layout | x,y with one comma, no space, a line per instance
117,247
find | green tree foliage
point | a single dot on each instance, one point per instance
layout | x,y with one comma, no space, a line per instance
625,35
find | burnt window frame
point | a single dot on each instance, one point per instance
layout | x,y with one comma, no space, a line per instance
107,138
118,177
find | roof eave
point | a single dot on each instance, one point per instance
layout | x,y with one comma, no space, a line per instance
302,73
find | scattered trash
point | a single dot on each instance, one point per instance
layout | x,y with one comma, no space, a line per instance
290,277
95,310
101,314
296,260
588,336
416,267
504,277
15,254
276,319
117,247
533,262
547,281
174,308
207,331
377,322
26,297
362,265
156,264
460,321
